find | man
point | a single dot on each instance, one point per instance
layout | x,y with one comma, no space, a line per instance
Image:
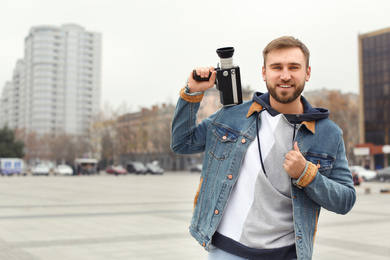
270,164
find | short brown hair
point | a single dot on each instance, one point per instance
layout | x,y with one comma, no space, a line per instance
285,42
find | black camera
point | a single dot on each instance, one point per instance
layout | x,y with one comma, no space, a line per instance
228,80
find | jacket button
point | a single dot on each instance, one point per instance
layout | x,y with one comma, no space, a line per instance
224,137
230,177
204,244
243,141
216,212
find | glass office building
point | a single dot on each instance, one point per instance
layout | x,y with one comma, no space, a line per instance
374,64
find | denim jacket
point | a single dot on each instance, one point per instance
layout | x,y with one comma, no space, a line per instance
226,135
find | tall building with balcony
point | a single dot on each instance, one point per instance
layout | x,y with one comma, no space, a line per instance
55,89
374,103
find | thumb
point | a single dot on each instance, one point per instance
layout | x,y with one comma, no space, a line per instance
296,147
213,76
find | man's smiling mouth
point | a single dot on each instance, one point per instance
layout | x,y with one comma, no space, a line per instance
285,86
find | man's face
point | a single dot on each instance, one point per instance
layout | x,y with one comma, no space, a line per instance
285,73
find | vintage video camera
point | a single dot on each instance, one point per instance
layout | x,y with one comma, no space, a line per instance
228,80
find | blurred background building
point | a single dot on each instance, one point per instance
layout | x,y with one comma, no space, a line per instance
55,88
145,135
374,101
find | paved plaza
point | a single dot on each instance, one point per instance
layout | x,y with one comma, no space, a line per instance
147,217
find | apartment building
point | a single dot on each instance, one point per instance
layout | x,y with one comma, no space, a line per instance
56,87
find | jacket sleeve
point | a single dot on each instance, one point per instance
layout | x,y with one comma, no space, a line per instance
187,137
336,191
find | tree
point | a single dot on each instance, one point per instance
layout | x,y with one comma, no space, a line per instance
107,153
343,111
9,146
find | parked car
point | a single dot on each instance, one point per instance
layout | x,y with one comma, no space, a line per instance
384,174
195,168
86,166
63,169
367,175
118,169
40,169
154,168
136,167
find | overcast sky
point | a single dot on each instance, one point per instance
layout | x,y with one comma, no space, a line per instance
149,47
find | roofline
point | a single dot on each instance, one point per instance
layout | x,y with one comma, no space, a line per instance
375,33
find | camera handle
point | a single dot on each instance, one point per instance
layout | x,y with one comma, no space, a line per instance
198,78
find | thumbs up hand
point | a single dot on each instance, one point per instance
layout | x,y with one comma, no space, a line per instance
295,163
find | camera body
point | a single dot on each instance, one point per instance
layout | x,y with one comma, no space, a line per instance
228,83
228,80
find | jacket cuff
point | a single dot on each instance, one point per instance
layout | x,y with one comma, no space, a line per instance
308,176
190,98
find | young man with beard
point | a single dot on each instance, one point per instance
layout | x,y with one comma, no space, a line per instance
270,164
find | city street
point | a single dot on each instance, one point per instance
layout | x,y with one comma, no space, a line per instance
147,217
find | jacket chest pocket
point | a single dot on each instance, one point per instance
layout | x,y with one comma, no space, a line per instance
324,161
222,143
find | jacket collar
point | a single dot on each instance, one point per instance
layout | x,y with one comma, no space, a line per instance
256,107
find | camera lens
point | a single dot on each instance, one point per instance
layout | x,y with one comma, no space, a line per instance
226,52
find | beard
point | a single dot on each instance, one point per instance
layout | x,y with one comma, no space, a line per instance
285,97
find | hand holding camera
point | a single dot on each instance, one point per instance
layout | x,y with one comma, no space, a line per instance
228,79
201,79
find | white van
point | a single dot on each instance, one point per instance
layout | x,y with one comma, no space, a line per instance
11,166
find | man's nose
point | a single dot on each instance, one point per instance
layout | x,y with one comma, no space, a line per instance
285,76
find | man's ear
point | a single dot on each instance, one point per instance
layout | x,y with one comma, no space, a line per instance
263,73
308,73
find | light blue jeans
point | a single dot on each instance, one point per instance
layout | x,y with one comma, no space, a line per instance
218,254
